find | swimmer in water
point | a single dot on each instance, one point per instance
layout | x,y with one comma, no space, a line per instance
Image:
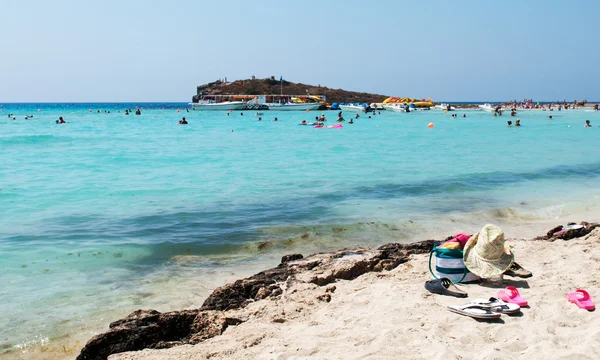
61,120
241,114
587,123
227,114
509,123
340,117
518,122
259,118
357,116
138,112
550,117
183,121
464,115
351,121
303,122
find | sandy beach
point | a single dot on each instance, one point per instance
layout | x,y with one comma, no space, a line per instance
390,315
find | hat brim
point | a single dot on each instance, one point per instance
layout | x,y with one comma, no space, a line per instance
485,268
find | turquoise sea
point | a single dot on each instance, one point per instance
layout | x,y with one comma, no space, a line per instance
112,212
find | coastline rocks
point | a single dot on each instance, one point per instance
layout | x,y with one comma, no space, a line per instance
557,232
150,329
291,257
319,269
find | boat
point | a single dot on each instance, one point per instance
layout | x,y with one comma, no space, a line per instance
446,107
212,105
293,106
354,107
397,107
487,107
290,102
377,106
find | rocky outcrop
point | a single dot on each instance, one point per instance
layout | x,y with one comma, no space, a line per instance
320,269
151,329
560,233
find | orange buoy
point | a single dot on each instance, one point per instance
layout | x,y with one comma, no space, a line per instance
430,125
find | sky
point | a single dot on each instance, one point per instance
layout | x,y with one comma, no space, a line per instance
134,50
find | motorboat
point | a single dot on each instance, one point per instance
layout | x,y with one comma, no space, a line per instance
212,105
354,107
287,106
487,107
397,107
446,107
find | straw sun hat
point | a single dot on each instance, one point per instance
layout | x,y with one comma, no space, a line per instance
485,254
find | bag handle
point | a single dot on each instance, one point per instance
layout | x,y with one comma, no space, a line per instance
436,250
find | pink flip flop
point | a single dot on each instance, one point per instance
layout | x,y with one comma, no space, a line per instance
511,295
582,299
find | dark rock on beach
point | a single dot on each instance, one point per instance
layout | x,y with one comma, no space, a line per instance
324,267
150,329
556,232
291,257
154,330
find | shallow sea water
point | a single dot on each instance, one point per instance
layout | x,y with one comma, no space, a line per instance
110,213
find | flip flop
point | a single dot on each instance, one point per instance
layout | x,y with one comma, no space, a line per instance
582,299
497,305
444,286
516,270
511,295
475,311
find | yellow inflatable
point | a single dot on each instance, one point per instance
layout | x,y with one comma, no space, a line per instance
399,100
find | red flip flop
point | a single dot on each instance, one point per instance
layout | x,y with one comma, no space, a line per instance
582,299
511,295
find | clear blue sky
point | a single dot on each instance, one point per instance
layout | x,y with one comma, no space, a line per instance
134,50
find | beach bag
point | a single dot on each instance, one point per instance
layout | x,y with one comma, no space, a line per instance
450,264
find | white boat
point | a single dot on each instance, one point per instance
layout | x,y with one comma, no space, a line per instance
212,105
487,107
293,106
353,108
446,107
399,108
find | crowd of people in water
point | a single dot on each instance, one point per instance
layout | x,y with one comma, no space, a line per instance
529,104
320,120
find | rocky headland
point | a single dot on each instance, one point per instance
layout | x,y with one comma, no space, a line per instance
273,86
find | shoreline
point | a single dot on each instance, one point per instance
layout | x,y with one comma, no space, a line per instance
274,304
